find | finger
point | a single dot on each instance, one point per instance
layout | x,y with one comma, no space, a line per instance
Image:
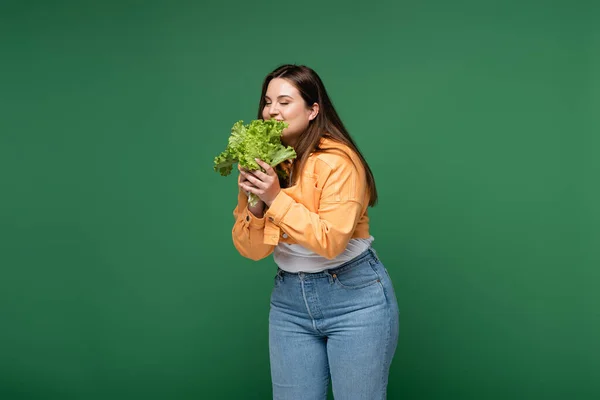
242,178
250,181
247,183
256,180
245,175
268,169
247,172
261,176
249,188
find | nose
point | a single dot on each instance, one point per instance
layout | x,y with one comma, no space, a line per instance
273,109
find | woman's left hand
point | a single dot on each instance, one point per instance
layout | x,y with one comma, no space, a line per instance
266,184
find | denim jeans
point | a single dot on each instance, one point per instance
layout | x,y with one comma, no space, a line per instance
342,323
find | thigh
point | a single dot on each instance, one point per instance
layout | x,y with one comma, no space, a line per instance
298,354
361,348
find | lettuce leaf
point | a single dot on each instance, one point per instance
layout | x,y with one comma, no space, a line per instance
259,139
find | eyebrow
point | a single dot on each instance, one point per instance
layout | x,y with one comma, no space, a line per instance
283,95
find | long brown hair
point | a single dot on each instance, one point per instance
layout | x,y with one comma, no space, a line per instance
326,124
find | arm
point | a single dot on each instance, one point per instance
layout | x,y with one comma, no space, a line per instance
248,229
328,231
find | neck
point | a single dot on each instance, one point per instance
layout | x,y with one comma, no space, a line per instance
287,142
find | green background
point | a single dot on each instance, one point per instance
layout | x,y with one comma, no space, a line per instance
479,119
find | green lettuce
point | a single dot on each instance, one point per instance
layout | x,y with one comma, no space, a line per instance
259,139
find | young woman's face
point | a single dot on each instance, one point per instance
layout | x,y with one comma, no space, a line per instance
283,102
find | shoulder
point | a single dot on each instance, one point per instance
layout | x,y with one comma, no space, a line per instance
335,156
338,172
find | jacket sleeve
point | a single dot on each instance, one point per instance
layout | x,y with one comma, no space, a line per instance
342,198
248,231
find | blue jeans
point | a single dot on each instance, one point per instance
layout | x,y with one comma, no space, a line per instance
342,323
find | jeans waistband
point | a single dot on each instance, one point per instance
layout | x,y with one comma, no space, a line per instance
365,255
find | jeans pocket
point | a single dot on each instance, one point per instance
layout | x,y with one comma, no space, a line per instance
356,277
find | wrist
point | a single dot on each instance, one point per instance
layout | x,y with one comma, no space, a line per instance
258,210
270,201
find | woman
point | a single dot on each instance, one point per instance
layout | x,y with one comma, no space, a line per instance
333,308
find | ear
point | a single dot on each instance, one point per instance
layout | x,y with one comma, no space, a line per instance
314,112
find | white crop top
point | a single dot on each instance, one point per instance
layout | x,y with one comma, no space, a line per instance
296,258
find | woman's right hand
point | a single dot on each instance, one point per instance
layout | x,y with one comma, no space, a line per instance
258,209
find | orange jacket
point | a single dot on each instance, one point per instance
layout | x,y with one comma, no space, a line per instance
322,211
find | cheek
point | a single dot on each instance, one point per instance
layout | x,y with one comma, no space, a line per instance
292,116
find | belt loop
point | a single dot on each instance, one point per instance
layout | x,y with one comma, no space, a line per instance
374,253
329,276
